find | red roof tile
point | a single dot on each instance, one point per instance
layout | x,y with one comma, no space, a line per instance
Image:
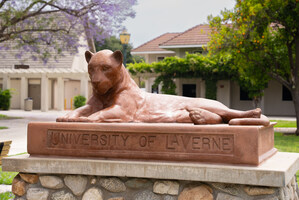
198,35
153,45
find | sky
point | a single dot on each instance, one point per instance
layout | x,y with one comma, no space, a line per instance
156,17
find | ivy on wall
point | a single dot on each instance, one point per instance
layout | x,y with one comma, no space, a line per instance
208,68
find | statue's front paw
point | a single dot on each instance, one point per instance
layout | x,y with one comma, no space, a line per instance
61,119
83,119
68,119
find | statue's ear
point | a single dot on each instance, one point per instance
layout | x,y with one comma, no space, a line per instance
88,56
118,57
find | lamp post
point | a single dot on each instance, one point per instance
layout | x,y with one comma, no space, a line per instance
124,40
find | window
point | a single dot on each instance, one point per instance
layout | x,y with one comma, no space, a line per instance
286,94
160,58
189,90
244,95
21,66
155,90
198,51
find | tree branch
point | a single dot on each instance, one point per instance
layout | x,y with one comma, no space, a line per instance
281,80
2,3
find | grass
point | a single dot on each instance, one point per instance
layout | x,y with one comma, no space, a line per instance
7,196
287,143
7,177
284,124
5,117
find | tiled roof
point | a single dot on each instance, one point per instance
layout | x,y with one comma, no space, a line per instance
41,71
153,45
198,35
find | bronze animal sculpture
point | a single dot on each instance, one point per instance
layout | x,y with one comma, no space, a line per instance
117,98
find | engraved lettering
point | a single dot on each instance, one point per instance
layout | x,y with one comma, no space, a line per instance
84,140
142,141
115,137
195,143
206,143
55,138
151,139
94,139
181,143
125,138
77,138
226,144
103,139
170,142
215,144
185,140
64,138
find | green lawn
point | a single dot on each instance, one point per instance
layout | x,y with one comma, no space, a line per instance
4,117
7,177
7,196
284,124
287,143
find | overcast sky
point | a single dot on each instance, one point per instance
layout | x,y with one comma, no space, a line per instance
156,17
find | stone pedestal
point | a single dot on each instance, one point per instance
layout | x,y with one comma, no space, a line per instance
44,177
247,145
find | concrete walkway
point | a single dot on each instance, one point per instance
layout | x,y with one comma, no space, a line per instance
17,128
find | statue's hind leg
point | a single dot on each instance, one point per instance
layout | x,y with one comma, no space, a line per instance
226,113
201,116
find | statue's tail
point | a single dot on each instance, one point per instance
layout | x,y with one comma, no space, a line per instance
263,120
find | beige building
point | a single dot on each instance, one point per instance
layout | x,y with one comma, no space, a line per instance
276,101
51,86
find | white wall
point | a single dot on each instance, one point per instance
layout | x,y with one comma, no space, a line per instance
15,103
236,103
273,103
71,89
223,92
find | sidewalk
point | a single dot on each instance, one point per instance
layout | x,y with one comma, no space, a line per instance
17,128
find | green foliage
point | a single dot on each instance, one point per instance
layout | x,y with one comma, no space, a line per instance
5,96
7,196
211,89
6,178
113,43
191,66
261,40
79,101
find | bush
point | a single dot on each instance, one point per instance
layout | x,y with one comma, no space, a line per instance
79,101
5,96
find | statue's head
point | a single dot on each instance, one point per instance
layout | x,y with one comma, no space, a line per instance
104,68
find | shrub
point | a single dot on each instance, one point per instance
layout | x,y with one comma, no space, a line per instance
5,96
79,101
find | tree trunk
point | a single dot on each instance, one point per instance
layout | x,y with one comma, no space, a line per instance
295,95
257,102
89,37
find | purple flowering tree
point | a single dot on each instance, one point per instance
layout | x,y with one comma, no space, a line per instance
46,28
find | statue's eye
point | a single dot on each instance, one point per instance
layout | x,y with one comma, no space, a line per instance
105,68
